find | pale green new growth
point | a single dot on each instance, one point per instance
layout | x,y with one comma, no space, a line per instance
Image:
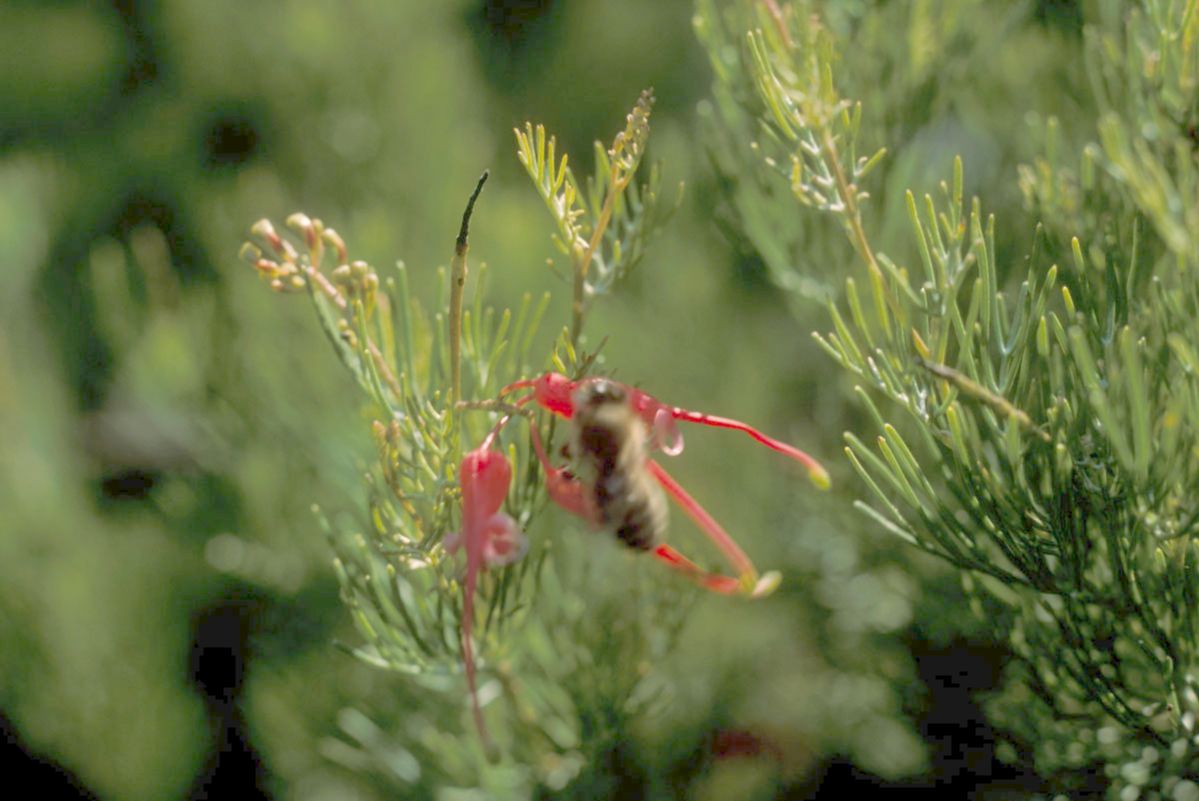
603,228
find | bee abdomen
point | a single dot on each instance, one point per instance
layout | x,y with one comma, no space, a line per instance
610,442
637,518
637,531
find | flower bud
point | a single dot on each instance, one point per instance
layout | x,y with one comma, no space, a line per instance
265,230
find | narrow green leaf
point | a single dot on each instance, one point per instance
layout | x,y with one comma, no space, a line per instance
844,335
1012,443
898,475
1138,402
1098,398
870,482
1080,263
899,278
880,303
921,242
932,228
1183,351
902,533
855,310
869,164
957,434
985,272
833,347
864,396
907,460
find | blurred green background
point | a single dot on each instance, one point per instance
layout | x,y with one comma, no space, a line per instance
167,611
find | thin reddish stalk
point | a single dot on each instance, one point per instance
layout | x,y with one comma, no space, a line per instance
487,442
468,656
515,385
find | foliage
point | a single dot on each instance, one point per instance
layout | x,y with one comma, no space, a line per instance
169,423
610,239
1047,434
433,375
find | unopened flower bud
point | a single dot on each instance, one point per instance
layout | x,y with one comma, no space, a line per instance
299,221
249,252
341,275
334,240
265,230
302,224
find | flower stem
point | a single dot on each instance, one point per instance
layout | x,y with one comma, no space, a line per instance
338,300
848,196
581,267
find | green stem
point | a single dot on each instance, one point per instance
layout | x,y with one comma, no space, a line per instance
601,225
337,299
852,213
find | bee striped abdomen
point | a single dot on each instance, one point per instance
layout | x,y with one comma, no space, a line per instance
610,444
641,522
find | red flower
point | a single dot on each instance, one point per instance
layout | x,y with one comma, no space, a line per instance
558,394
489,537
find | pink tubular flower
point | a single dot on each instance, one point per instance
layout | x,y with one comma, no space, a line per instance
490,539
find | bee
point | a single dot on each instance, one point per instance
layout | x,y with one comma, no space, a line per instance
611,450
621,487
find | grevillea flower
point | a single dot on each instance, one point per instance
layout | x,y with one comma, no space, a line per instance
554,392
490,539
558,394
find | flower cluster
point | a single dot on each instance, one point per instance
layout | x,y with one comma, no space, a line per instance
492,538
449,503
